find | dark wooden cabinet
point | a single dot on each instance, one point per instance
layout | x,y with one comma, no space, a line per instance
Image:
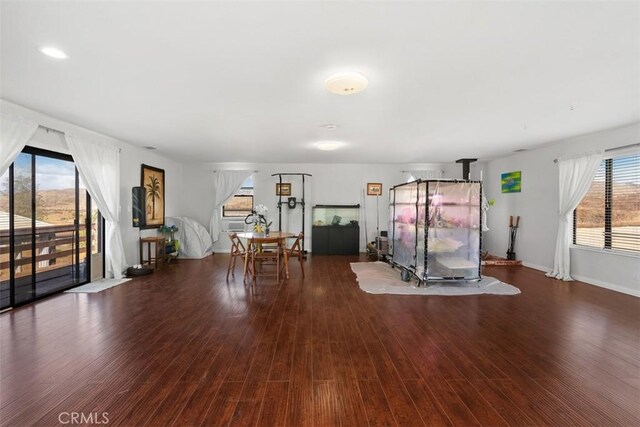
335,230
335,240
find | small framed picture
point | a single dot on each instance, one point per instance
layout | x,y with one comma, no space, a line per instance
283,189
374,189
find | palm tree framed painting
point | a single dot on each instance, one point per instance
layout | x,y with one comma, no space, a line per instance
153,183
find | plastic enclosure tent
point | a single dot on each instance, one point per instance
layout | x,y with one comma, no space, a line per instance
436,226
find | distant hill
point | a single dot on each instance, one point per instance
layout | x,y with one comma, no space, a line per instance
626,206
52,206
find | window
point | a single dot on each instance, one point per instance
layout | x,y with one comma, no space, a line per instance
241,204
609,215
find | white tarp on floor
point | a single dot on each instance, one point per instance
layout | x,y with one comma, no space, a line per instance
379,278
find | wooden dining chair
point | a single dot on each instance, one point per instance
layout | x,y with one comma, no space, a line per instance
295,251
237,251
261,257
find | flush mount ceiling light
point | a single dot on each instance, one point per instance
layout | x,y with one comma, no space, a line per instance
53,52
346,83
328,145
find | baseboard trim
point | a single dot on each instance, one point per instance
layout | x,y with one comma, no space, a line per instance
607,285
536,266
589,281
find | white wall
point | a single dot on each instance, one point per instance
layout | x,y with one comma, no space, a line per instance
189,188
130,163
537,205
341,184
198,192
131,157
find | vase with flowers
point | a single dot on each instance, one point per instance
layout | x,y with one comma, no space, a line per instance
258,218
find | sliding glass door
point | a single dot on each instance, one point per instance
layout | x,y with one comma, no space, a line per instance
45,227
6,240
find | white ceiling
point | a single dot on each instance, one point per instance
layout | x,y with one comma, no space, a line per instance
243,81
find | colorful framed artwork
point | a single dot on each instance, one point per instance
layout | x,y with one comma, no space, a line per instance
511,182
152,179
374,189
283,189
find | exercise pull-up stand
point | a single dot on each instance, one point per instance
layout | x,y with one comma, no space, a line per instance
291,202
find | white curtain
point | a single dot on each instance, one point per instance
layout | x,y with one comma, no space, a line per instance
15,132
99,167
225,185
575,176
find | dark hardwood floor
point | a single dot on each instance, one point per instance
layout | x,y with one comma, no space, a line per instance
183,347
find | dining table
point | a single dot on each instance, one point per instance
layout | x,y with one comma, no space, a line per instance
255,238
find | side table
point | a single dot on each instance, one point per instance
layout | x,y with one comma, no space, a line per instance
159,254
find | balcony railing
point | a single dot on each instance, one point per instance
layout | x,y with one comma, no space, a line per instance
55,247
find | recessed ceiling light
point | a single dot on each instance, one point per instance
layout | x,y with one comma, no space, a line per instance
329,126
53,52
520,150
329,145
346,83
148,147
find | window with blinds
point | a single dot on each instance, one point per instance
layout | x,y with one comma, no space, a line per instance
240,205
609,215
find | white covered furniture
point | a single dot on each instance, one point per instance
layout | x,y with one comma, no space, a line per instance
195,240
